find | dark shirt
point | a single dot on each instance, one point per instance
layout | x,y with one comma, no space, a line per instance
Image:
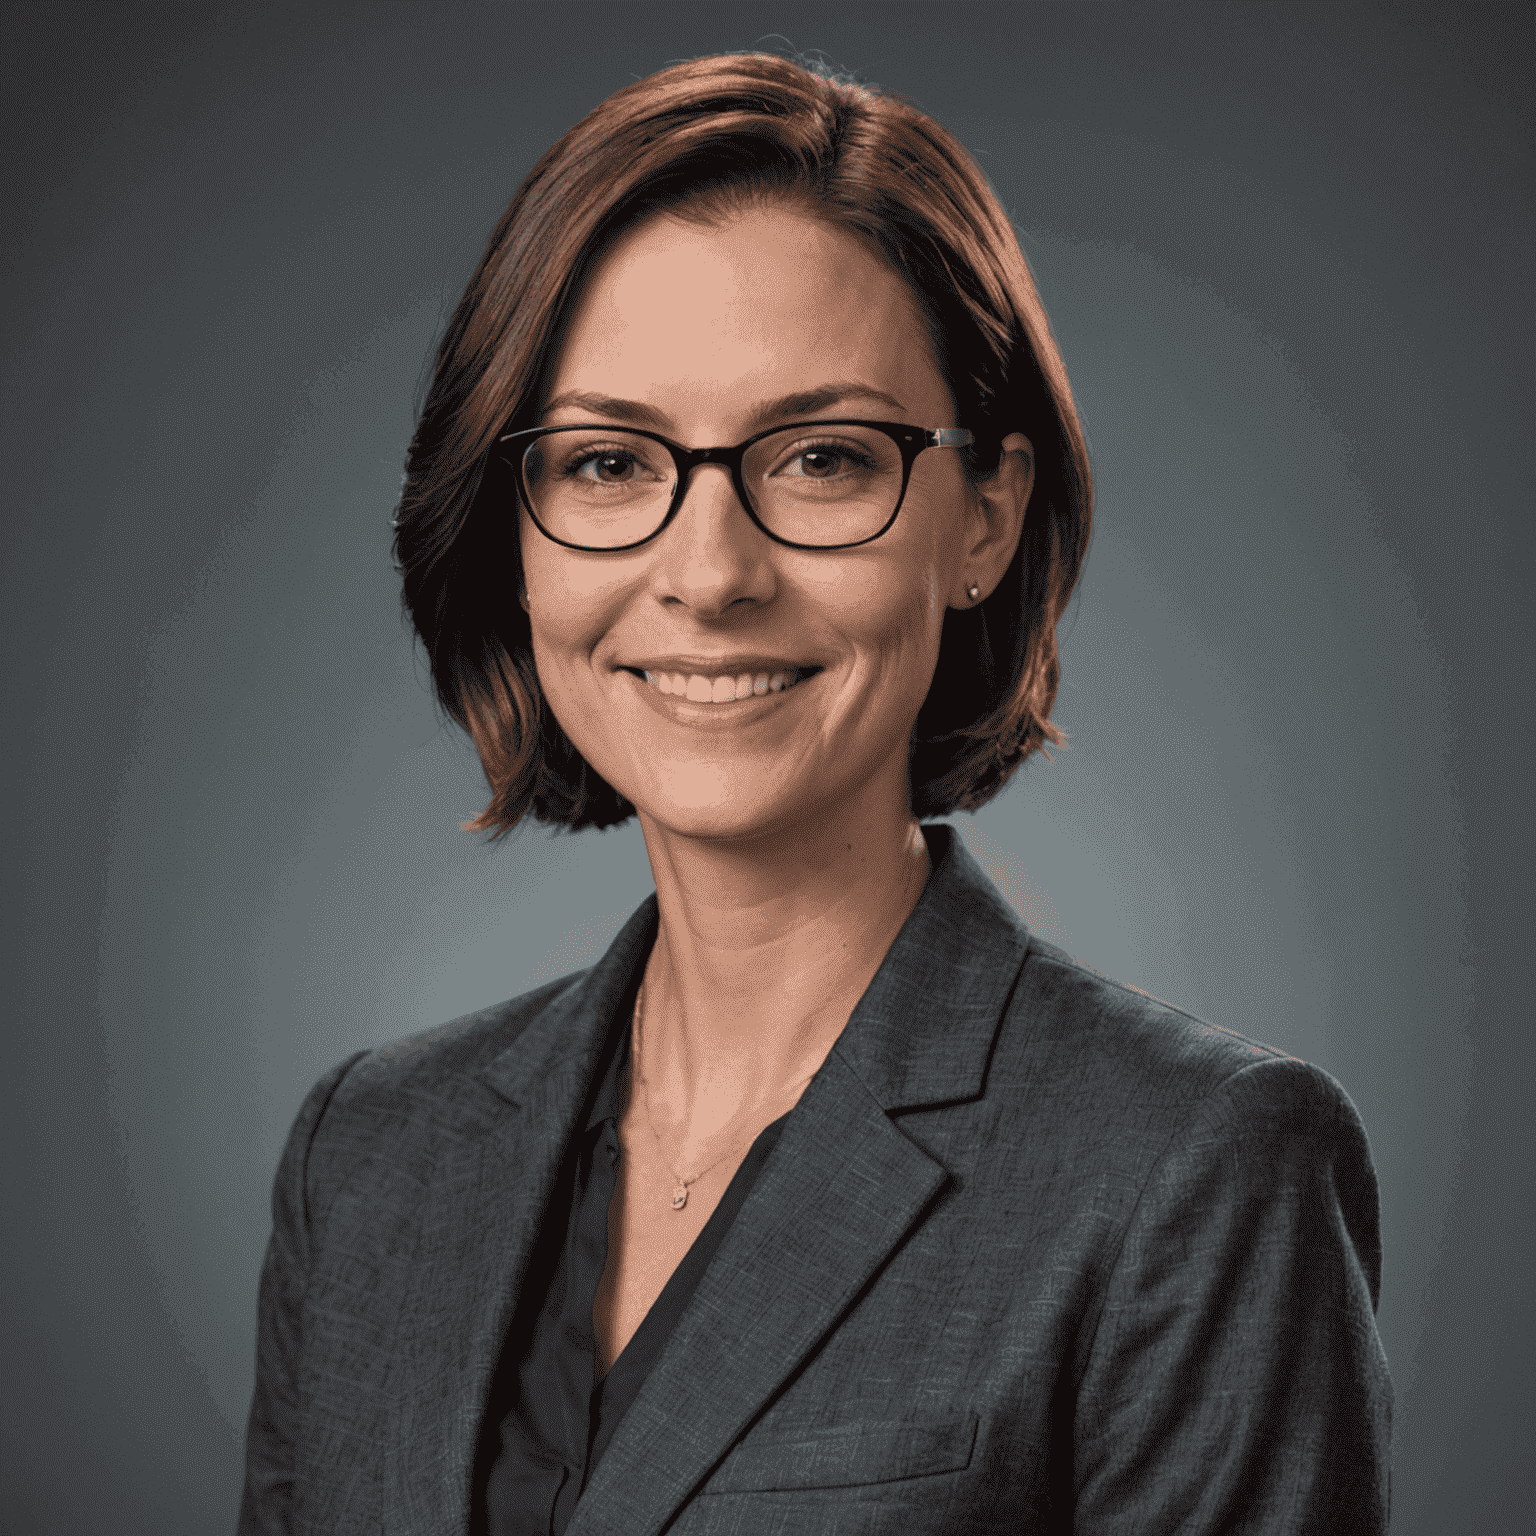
550,1416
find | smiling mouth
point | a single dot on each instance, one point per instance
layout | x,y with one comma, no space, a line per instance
699,689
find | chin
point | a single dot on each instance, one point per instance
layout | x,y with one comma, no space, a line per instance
698,802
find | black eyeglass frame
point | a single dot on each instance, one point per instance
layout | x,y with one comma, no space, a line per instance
909,440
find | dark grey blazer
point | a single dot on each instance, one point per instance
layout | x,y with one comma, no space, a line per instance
1035,1252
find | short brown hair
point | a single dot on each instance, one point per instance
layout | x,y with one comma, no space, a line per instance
694,138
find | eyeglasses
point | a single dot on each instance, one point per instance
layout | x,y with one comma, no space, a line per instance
810,485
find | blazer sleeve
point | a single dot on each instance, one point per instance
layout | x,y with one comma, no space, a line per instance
1235,1381
271,1435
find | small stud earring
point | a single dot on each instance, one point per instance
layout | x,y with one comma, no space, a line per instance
973,591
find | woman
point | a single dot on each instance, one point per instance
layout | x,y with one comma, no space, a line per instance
746,499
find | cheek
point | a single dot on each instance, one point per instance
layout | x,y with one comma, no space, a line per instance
569,600
566,621
902,621
895,616
920,593
564,636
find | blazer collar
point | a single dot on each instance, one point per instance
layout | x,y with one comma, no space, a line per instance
840,1191
503,1132
923,1031
568,1036
920,1035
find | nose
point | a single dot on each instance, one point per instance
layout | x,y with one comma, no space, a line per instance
712,555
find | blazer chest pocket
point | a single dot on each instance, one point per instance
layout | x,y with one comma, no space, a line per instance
857,1455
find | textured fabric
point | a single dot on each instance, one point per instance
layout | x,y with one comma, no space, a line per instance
550,1419
1034,1253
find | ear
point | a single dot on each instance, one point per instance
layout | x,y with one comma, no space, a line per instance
996,523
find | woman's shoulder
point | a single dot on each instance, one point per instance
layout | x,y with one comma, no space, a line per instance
1156,1117
464,1044
1097,1049
404,1080
393,1103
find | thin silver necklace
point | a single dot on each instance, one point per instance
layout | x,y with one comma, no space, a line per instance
680,1188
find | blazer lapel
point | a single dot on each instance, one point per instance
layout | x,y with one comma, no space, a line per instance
841,1190
506,1130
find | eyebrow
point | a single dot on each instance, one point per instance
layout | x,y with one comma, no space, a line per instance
802,403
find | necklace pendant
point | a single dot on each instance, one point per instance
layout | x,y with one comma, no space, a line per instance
679,1197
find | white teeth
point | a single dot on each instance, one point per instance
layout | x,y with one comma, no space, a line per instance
720,690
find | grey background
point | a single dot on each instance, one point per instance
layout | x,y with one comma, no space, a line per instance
1287,254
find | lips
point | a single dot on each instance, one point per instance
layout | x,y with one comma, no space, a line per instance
721,682
723,664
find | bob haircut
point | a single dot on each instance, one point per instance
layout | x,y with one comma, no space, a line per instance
699,140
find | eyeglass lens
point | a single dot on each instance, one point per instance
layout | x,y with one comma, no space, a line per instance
603,488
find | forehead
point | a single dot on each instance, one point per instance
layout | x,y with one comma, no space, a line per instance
763,302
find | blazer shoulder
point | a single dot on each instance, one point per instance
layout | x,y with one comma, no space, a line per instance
1117,1082
450,1050
1066,1000
368,1110
1141,1060
380,1087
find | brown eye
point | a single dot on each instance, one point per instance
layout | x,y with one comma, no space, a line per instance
609,468
820,462
825,461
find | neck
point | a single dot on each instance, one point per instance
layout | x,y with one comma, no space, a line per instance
764,947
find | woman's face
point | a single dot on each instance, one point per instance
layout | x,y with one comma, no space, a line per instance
700,329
